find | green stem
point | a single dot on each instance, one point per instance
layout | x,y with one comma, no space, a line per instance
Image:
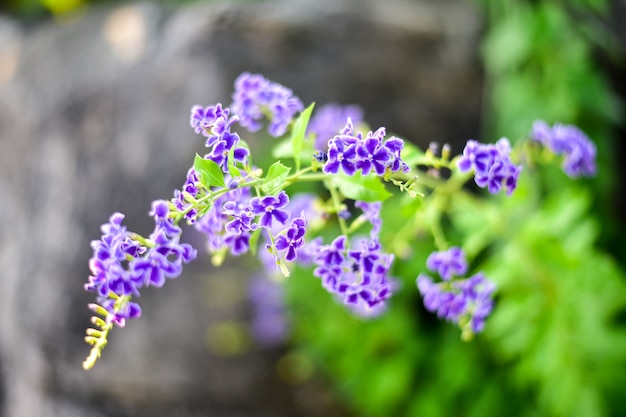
334,195
437,231
213,195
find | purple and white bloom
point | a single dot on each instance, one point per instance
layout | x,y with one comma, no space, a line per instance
160,212
372,154
341,154
350,151
395,146
359,278
228,223
568,140
192,187
211,122
256,96
463,301
328,120
269,208
478,291
222,148
242,218
110,253
491,164
238,244
367,256
121,266
165,258
293,238
447,263
203,119
119,314
152,270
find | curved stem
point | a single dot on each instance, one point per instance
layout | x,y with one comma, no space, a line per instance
334,195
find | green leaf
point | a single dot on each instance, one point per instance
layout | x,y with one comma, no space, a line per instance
276,175
283,149
298,133
358,187
232,169
209,173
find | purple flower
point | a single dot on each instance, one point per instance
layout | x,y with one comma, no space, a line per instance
222,148
328,120
237,243
541,132
255,96
372,154
242,218
119,314
568,140
395,146
341,154
447,263
120,265
492,166
330,275
333,254
151,271
191,186
359,278
269,208
493,177
213,122
203,120
229,221
160,211
350,151
478,292
466,302
292,239
367,256
110,254
476,156
163,260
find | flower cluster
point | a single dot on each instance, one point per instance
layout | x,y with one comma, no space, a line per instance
256,97
466,302
567,140
350,152
358,277
238,206
491,164
330,119
123,262
229,223
214,123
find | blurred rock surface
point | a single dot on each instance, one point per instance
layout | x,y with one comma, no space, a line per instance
94,119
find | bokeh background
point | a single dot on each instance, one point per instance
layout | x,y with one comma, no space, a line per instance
94,107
